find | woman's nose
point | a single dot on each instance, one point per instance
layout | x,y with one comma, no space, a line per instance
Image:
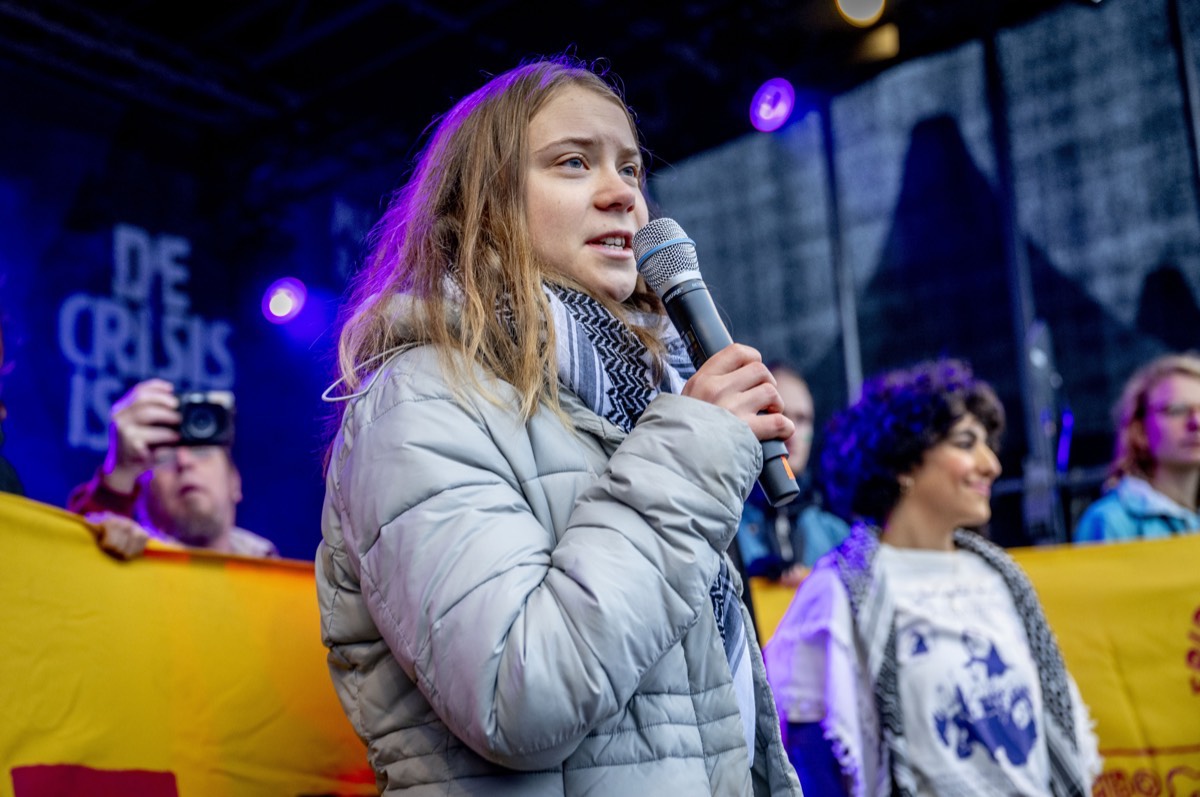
989,462
616,192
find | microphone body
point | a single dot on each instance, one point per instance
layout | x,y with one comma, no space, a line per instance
666,259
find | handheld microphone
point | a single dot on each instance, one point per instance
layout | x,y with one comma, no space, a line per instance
666,259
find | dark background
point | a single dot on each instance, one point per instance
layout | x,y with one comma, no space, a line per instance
1011,163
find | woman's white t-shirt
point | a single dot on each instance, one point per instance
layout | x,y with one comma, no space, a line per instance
969,687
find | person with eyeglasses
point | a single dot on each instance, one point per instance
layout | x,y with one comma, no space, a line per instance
149,486
1153,487
782,544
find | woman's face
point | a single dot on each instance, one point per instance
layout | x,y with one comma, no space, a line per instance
1173,422
583,194
954,481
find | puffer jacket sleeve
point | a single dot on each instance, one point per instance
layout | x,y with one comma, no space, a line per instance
521,640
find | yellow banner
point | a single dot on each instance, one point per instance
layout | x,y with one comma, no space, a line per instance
179,673
1127,616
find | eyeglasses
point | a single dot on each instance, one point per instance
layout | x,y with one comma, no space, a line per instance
169,455
1176,411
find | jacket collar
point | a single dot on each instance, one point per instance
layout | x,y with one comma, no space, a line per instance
1140,498
585,419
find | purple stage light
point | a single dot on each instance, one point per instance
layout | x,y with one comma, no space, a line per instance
772,104
284,300
1063,455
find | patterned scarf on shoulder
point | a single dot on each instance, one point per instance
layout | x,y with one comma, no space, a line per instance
875,625
605,364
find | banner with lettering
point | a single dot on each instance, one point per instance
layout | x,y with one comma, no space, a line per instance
179,674
119,263
1127,616
146,327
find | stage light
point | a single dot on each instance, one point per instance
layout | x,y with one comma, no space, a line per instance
772,104
1063,455
880,43
862,13
284,300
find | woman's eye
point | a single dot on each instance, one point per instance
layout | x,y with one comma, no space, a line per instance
631,170
573,163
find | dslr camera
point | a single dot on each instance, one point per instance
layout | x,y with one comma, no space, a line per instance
206,418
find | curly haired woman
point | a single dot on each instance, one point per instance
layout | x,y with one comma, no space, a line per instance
916,659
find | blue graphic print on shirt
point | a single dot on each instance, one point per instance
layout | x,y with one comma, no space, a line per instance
987,708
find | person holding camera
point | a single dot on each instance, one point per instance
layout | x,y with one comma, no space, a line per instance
155,484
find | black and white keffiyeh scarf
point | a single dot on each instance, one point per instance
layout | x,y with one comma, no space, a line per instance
875,626
606,365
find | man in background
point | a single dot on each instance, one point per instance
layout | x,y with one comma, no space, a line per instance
151,485
783,543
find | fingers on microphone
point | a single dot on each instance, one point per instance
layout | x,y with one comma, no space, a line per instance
772,426
754,380
767,395
733,357
748,356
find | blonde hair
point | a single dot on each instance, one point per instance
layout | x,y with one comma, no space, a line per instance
455,239
1131,454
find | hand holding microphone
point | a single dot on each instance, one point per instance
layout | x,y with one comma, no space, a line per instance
666,259
735,379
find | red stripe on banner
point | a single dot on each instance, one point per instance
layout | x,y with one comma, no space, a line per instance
72,780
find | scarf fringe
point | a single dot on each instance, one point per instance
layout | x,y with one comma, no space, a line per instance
874,622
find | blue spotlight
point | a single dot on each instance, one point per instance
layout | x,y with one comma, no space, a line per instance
284,300
772,104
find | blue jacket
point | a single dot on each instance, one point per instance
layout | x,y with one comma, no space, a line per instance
1134,510
771,540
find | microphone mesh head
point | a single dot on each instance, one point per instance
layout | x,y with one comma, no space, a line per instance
663,267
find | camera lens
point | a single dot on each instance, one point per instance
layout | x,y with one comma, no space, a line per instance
200,424
206,418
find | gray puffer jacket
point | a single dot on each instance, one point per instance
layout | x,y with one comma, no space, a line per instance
517,608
